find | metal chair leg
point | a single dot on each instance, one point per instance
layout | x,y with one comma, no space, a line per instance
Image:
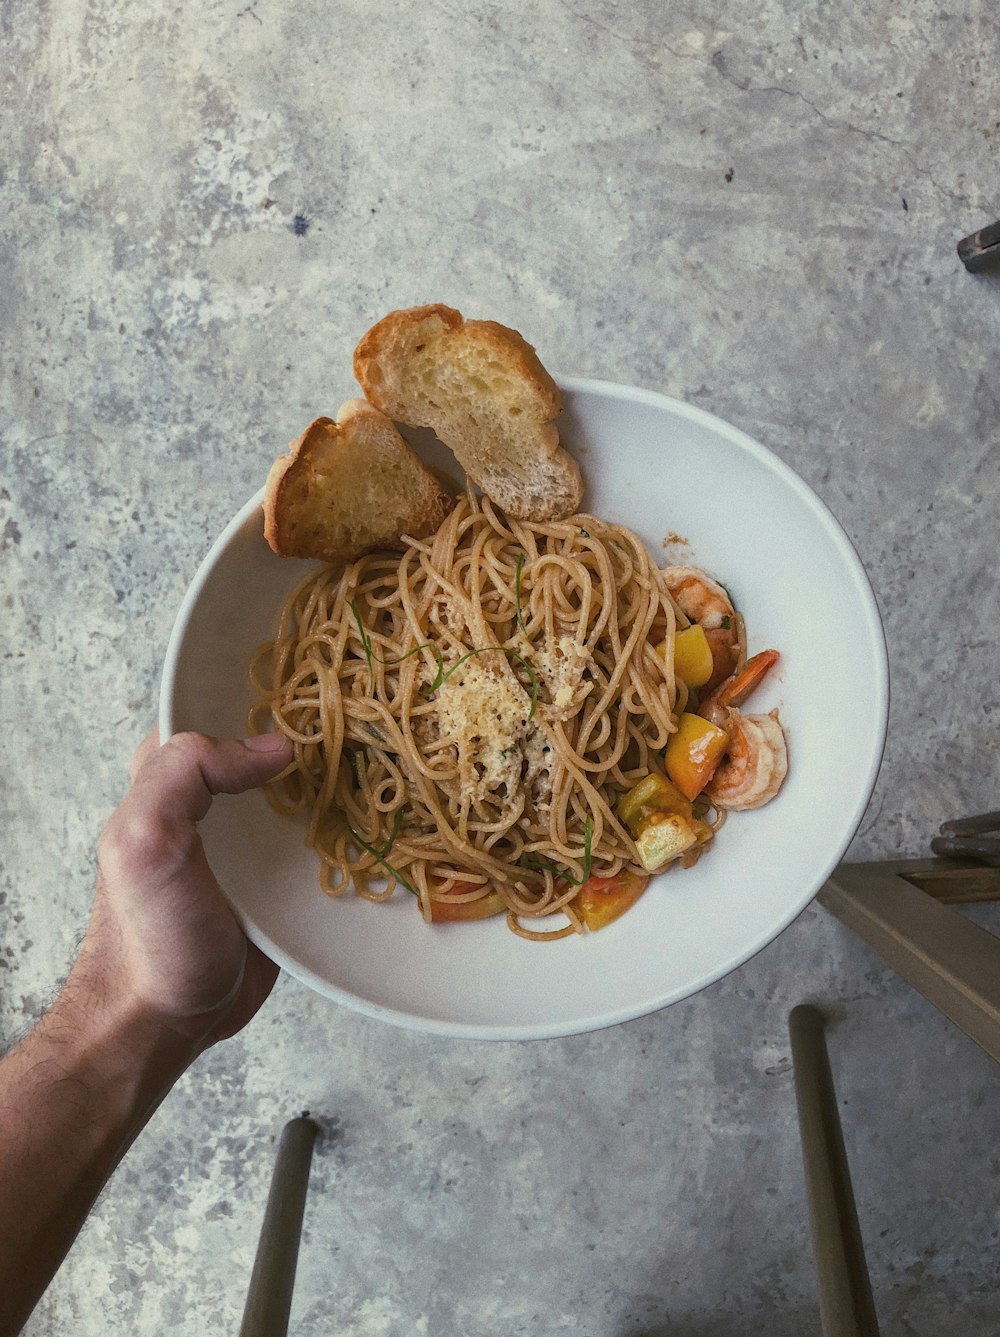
269,1299
897,908
845,1295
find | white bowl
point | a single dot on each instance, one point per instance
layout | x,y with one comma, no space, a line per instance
660,467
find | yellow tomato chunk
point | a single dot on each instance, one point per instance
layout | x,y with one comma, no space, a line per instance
694,752
693,661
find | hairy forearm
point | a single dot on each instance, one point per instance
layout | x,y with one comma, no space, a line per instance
73,1096
164,971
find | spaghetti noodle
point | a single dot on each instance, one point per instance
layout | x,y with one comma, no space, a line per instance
466,715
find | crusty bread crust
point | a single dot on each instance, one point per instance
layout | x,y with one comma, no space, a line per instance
349,487
483,390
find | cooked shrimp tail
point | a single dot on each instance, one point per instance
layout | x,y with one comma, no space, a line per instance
735,690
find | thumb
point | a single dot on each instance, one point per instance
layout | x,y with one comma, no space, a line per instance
182,777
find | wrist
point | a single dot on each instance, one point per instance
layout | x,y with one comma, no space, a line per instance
116,1039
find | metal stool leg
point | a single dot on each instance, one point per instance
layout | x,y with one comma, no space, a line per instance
269,1299
845,1295
896,908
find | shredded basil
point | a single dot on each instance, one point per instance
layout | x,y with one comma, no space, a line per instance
543,865
443,674
517,593
533,676
410,653
379,857
370,654
400,658
393,834
366,644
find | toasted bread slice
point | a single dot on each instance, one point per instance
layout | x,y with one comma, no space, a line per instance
349,486
482,389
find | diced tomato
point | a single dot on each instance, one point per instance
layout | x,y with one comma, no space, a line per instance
693,753
445,910
694,662
654,793
601,900
663,837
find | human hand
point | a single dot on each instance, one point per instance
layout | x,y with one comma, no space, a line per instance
164,971
162,939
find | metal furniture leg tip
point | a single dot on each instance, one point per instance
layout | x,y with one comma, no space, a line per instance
269,1298
981,250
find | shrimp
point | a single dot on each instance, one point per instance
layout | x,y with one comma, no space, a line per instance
704,601
698,596
753,769
756,760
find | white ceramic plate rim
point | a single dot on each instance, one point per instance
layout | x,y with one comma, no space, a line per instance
876,743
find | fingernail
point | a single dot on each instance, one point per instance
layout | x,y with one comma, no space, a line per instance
266,742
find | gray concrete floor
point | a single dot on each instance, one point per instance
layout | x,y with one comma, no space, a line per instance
752,207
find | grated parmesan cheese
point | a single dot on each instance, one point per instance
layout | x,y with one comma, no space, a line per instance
486,716
561,667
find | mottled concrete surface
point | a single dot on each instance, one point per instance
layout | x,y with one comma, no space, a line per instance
751,206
